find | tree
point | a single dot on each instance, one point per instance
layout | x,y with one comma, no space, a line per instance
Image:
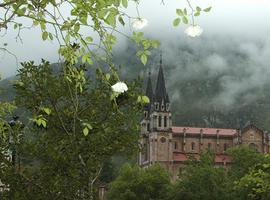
135,183
84,29
256,183
76,124
201,180
243,158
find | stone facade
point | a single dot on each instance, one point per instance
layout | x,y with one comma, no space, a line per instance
170,146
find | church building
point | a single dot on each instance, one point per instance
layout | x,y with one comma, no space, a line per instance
171,146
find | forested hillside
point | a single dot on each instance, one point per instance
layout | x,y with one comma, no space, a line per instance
208,85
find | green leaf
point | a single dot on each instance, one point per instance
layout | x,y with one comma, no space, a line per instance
89,61
89,39
84,58
51,36
198,9
67,38
76,27
185,20
85,131
111,19
125,3
45,35
176,21
144,59
207,9
83,19
185,11
47,111
179,12
107,76
42,25
197,14
139,99
120,19
145,99
38,122
44,123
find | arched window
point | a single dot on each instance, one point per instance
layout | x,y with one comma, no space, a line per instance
156,105
145,114
167,106
165,121
163,140
162,107
193,146
175,145
159,121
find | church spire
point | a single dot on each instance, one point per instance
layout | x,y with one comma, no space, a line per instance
160,93
149,89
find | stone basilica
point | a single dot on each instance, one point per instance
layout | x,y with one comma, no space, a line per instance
171,146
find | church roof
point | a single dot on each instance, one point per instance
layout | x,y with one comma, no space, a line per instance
149,93
219,158
205,131
149,88
160,92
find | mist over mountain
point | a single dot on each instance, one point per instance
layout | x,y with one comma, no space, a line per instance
221,81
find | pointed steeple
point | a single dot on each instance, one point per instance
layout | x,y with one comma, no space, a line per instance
160,93
149,89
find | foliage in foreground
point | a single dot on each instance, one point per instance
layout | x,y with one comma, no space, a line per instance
199,180
76,124
134,183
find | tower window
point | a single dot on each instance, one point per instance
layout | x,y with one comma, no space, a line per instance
163,140
162,107
175,145
193,146
145,114
148,127
165,121
156,105
159,121
167,106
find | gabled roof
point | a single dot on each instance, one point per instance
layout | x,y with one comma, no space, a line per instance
205,131
251,125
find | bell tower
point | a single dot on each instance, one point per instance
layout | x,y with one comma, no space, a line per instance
159,134
161,115
144,155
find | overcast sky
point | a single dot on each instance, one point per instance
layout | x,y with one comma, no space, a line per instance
246,19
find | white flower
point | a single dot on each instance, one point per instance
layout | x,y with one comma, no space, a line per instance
120,87
194,31
139,23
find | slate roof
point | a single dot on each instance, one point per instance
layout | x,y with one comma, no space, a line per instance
181,156
206,131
